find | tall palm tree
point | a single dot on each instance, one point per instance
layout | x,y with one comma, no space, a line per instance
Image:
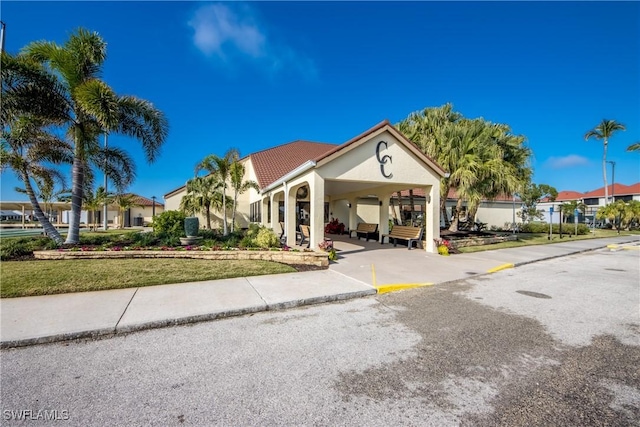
94,108
604,131
221,168
484,159
31,99
236,175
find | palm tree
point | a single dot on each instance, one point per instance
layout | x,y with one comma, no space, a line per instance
124,203
634,147
221,168
604,131
203,194
484,159
46,193
236,174
30,106
93,109
93,202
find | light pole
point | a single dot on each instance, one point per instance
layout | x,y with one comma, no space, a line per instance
3,27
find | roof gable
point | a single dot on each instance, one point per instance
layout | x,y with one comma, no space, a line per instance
372,132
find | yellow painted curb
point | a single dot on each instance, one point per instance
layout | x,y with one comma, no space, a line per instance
631,248
612,246
383,289
500,267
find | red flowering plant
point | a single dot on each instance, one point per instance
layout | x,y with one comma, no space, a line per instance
334,227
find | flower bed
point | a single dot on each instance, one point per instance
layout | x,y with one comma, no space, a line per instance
293,257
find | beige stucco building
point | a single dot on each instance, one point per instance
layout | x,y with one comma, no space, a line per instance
309,183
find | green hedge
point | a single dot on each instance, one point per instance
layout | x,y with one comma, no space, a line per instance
543,227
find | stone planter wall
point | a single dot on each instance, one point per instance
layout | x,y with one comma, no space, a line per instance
319,259
476,241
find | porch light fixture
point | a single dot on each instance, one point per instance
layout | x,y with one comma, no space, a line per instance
349,205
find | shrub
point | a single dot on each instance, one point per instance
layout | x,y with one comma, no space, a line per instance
14,248
266,238
169,224
11,248
543,227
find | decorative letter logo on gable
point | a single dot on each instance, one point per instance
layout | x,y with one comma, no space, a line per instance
383,160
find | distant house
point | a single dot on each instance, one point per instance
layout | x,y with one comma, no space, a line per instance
7,215
592,199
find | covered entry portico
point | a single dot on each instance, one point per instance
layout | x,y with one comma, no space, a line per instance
370,167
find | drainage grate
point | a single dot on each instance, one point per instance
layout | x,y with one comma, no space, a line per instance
534,294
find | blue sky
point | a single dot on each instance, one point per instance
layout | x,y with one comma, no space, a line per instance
255,75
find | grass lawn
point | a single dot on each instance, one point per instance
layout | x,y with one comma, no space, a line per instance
28,278
528,239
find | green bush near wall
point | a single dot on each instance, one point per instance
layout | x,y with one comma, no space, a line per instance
543,227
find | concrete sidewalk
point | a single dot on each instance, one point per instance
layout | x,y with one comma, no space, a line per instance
361,268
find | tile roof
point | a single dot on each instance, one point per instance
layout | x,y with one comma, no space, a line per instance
618,190
567,195
273,163
143,201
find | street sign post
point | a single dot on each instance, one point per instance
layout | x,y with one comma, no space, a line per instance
550,222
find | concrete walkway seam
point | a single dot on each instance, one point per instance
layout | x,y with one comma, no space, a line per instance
125,309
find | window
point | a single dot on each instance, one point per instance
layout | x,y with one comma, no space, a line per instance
591,202
255,212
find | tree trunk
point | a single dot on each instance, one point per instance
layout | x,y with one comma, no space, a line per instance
49,229
73,236
471,216
604,173
233,212
224,210
411,204
208,213
456,218
443,208
400,207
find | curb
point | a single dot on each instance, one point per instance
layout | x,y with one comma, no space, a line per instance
123,330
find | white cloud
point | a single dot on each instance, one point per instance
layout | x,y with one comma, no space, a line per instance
230,31
566,161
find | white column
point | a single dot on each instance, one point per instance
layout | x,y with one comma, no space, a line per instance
274,214
432,217
290,215
353,214
316,197
383,226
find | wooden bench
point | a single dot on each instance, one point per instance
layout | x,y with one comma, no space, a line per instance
402,232
365,230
